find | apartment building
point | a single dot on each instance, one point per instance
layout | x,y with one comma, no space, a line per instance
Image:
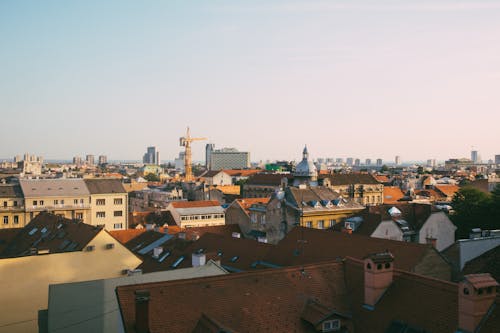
108,203
11,207
204,213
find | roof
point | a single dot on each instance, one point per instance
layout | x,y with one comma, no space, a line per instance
123,236
448,190
306,245
244,302
413,213
481,280
33,188
105,186
195,204
50,232
382,178
10,191
241,172
305,198
392,194
488,262
351,178
6,235
73,306
246,203
267,179
211,173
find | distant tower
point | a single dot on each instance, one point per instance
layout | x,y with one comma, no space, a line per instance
474,156
397,160
90,160
379,162
186,141
305,171
103,159
368,162
209,148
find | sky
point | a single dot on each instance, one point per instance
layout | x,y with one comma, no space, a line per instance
349,78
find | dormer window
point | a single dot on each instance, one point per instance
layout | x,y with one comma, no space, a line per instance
331,325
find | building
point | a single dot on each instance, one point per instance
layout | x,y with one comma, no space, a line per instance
151,156
361,187
368,162
379,162
179,162
50,250
474,156
217,177
357,162
108,203
497,159
12,210
397,160
90,160
31,164
86,295
350,161
351,295
226,158
103,159
189,214
305,172
250,215
68,198
78,161
263,185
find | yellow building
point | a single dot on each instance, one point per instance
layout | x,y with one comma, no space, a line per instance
67,198
11,207
363,188
205,213
108,203
50,250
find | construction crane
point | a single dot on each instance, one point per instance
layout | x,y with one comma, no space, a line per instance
186,142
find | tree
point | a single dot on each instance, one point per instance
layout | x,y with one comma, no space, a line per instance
472,209
384,168
151,177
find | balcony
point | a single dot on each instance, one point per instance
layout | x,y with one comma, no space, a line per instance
11,208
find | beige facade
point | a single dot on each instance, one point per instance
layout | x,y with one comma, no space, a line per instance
189,214
364,189
11,207
110,210
25,280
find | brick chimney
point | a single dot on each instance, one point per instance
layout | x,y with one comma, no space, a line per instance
378,269
142,311
476,295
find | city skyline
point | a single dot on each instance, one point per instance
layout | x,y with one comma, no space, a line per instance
415,79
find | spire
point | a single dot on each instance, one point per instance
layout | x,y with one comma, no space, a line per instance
305,153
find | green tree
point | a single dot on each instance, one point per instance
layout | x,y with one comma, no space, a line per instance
384,168
472,209
151,177
495,206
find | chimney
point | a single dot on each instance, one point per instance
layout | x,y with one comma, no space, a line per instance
476,295
432,241
378,269
142,311
198,259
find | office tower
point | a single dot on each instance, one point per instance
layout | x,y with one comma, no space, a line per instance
368,162
497,159
77,160
90,160
151,156
379,162
397,160
350,161
227,158
209,148
103,159
357,162
339,161
474,156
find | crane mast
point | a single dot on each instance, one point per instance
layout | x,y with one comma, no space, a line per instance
185,142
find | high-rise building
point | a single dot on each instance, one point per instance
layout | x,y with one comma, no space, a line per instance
497,159
368,162
339,160
226,158
151,156
350,161
474,156
431,163
77,160
397,160
90,160
103,159
179,162
357,162
379,162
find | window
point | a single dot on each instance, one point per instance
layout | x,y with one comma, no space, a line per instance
5,203
81,201
253,218
5,220
331,223
62,202
75,201
56,202
41,202
100,202
16,219
118,226
331,325
15,203
263,219
79,216
118,201
309,224
35,203
100,214
321,224
118,213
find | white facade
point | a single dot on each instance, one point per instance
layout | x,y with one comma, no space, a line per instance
388,230
438,226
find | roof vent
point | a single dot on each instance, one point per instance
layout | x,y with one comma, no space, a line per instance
110,246
90,248
157,251
236,235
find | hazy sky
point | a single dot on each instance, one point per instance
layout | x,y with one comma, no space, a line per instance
366,79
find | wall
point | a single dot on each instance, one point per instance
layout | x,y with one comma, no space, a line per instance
434,265
10,211
388,230
438,226
109,208
473,248
25,280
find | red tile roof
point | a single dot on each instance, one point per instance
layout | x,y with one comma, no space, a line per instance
392,194
246,203
123,236
194,204
242,172
448,190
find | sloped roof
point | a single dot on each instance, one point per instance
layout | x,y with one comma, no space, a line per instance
303,197
267,179
10,191
448,190
413,213
246,203
244,302
33,188
242,172
195,204
488,262
392,194
351,178
104,186
59,235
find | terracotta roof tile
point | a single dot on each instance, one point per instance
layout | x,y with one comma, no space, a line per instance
392,194
194,204
246,203
448,190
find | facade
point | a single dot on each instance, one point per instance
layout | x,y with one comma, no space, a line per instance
219,178
90,160
68,198
305,172
226,158
188,214
11,206
103,159
397,160
251,215
265,184
70,252
151,156
108,203
363,188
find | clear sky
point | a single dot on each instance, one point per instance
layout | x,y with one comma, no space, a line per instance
366,79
